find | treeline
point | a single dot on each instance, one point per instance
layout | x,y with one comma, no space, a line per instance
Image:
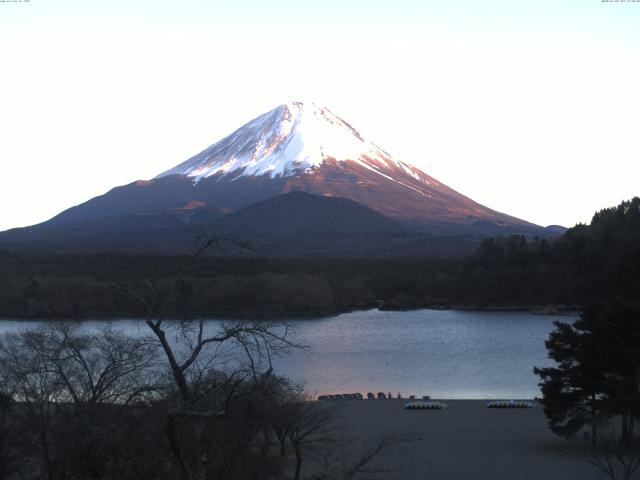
95,286
600,260
587,263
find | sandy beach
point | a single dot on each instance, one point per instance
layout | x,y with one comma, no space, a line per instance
468,441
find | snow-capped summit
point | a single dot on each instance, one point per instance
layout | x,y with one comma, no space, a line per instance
296,171
292,138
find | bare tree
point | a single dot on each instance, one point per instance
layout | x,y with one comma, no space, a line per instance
195,350
310,423
315,433
349,458
211,367
10,461
107,367
616,459
28,377
66,385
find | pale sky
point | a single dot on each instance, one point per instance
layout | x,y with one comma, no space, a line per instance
529,107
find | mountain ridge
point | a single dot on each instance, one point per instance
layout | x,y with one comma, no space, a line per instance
294,147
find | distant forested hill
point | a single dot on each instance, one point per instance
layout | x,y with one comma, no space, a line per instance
600,260
596,261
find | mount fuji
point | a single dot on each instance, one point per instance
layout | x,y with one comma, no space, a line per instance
296,151
291,139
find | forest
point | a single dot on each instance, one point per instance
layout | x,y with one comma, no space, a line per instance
588,262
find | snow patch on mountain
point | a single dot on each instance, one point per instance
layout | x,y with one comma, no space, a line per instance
288,140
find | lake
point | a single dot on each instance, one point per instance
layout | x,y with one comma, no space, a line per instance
443,353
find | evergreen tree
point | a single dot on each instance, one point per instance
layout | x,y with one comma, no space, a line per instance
598,371
572,392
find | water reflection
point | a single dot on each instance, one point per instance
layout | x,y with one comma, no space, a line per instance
445,354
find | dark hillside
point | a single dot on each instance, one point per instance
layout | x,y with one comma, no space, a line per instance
588,262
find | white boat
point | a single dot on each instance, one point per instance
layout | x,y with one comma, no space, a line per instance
510,404
421,405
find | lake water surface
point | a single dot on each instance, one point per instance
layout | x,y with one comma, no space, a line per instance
443,353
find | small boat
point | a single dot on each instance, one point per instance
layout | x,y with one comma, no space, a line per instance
510,404
421,405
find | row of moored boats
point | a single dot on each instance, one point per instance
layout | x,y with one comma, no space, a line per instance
425,403
370,396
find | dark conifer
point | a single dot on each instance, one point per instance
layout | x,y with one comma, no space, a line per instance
597,376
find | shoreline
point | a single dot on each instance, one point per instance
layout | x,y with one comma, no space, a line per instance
543,310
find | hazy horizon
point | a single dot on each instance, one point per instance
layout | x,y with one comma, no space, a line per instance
529,108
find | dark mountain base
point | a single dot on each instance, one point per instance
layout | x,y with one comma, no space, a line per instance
296,224
598,261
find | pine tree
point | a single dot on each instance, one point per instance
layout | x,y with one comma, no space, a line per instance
598,371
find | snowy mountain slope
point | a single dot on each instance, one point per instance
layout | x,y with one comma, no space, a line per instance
302,146
290,139
295,147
